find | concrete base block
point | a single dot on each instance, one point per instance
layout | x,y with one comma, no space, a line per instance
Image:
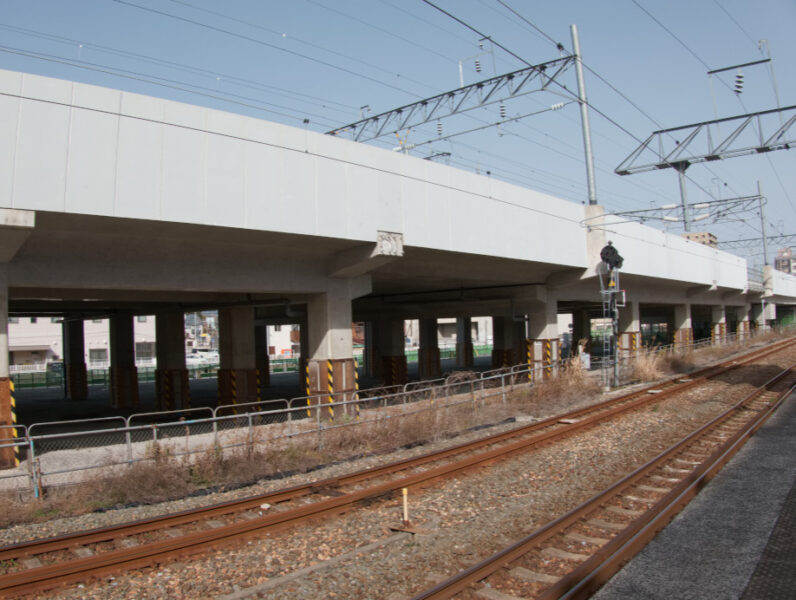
683,337
629,344
124,387
237,386
394,370
9,456
172,389
544,355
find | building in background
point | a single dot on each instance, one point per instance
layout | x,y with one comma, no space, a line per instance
703,237
785,261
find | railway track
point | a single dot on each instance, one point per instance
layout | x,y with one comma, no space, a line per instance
572,556
47,563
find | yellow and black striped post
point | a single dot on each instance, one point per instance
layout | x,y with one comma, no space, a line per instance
233,388
356,389
548,358
307,385
330,387
257,378
529,353
14,433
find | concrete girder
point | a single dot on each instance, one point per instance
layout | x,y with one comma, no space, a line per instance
16,226
363,259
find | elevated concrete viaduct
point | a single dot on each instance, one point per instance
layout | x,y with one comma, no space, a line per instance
115,204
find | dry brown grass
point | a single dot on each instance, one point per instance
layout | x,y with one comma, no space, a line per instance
647,366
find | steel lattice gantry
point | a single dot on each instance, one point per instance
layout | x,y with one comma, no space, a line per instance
483,93
679,147
782,240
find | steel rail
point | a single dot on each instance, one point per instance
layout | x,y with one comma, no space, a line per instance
191,515
48,576
594,571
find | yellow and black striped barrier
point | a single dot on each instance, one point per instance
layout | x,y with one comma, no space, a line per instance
330,387
233,388
356,389
529,353
307,385
548,358
14,432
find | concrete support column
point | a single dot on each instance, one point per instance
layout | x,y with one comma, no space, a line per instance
391,343
15,227
75,359
261,358
172,388
237,375
370,356
718,327
123,372
683,328
543,349
508,342
629,330
464,343
9,454
304,352
331,369
428,360
743,328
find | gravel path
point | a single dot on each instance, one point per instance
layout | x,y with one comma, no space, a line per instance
462,521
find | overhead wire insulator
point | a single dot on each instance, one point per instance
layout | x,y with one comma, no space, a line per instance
439,128
477,66
738,83
502,111
557,106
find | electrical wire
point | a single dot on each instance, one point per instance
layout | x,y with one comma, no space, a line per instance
299,40
261,43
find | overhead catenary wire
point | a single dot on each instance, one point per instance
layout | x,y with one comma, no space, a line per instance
157,81
261,43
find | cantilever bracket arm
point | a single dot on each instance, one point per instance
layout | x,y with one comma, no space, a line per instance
459,100
752,133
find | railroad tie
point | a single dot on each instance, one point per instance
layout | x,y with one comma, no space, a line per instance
31,563
82,552
626,512
664,479
578,537
492,594
657,490
606,525
533,576
554,552
638,499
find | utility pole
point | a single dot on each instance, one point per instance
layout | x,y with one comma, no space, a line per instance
584,116
763,225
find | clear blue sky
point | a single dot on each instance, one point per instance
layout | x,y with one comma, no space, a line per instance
323,60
